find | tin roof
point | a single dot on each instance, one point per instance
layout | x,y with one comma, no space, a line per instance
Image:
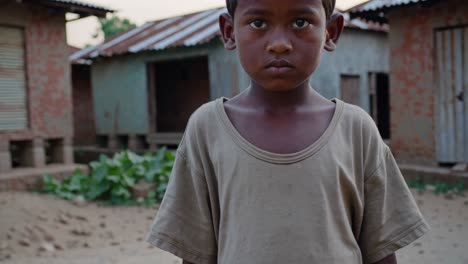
375,10
74,6
187,30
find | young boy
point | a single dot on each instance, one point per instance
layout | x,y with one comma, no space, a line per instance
279,174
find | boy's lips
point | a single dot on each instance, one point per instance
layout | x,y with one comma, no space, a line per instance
279,63
279,66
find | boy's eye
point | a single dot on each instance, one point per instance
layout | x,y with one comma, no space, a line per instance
258,24
300,23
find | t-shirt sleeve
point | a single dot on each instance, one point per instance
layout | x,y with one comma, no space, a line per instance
391,219
183,225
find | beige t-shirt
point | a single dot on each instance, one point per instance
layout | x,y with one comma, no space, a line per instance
340,200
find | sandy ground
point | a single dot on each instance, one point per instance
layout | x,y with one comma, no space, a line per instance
38,229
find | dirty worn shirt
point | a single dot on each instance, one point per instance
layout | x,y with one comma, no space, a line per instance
340,200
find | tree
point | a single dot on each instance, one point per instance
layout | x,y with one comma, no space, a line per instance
113,25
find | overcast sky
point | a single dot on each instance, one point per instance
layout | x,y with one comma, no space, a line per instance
139,11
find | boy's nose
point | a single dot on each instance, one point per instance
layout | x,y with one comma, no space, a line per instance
279,43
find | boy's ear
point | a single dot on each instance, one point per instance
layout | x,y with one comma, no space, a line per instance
334,28
226,25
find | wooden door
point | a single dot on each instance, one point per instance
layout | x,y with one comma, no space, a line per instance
350,89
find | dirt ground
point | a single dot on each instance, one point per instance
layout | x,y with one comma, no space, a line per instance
37,228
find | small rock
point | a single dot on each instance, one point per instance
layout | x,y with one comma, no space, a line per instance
139,239
417,244
421,252
114,243
86,245
81,218
149,218
48,247
58,246
466,203
9,237
102,216
102,225
79,201
61,218
23,242
80,232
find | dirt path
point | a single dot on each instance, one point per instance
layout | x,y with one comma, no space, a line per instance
40,229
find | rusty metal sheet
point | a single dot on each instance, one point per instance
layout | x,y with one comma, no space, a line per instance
13,114
375,10
465,85
379,4
451,81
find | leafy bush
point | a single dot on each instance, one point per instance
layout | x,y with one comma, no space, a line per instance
112,179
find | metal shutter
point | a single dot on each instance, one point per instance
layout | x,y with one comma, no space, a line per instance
13,113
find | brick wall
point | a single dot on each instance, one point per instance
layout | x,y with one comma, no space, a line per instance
412,76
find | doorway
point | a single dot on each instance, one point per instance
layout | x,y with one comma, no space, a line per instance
179,87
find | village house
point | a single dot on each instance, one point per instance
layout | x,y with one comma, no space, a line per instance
36,120
147,82
428,82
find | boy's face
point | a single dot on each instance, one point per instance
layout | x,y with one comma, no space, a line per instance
279,41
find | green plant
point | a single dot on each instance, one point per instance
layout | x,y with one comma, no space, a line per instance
418,184
112,179
112,26
438,186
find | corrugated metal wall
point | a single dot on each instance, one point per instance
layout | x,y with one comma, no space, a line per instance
13,113
452,100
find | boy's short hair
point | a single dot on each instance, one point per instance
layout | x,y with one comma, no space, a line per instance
328,5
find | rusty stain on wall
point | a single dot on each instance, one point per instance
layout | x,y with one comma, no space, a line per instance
48,71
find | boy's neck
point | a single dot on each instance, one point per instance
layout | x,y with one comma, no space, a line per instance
280,101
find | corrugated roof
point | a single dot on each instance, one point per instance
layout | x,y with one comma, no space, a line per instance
74,6
84,4
187,30
375,10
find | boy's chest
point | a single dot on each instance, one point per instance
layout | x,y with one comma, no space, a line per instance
281,134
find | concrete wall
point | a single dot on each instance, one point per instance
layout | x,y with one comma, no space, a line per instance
48,70
120,85
358,53
412,76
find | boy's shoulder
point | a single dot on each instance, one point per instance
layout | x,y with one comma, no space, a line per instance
204,115
359,119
